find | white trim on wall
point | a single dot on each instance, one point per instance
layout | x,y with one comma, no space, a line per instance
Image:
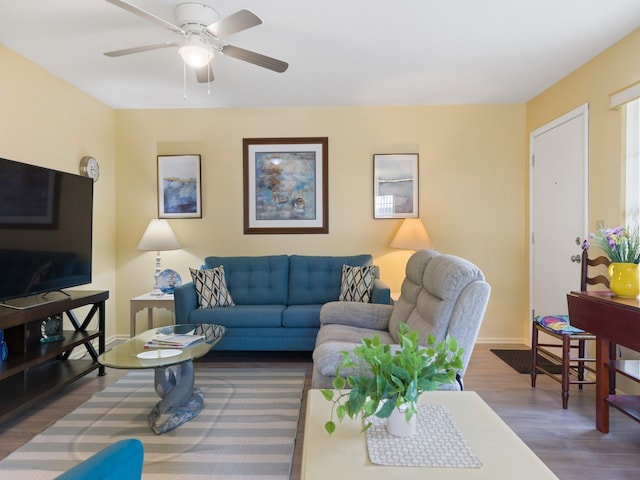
625,95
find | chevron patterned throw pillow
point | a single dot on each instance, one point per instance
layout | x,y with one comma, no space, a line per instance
357,284
211,287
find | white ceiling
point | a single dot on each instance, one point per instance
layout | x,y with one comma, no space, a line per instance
340,52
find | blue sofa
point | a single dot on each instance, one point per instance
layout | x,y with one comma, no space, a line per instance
277,299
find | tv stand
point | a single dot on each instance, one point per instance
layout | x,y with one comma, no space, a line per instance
35,370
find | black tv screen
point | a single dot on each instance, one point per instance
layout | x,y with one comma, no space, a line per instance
45,230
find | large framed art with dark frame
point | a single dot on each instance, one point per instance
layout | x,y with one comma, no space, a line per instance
286,185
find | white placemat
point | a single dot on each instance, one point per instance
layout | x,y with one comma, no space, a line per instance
437,442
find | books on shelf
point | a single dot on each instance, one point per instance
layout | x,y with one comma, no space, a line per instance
161,340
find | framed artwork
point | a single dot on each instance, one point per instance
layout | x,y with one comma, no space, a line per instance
179,188
285,185
395,186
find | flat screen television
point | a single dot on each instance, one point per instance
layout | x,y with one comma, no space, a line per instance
46,219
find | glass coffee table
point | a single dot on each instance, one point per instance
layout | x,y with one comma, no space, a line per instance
180,400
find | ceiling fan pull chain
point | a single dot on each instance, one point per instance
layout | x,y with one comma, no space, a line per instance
209,74
184,80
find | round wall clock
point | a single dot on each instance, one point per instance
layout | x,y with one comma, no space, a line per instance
89,167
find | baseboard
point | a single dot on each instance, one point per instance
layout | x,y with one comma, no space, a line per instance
502,341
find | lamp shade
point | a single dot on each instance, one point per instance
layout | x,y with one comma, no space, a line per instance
158,237
412,235
195,55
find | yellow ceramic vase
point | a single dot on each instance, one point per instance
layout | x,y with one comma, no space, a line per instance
624,280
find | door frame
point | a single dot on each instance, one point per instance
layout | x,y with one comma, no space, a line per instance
581,111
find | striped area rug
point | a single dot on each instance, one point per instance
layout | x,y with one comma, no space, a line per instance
246,430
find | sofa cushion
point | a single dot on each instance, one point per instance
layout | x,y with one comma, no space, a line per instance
333,339
269,339
356,284
211,287
373,316
350,334
317,279
253,317
302,316
259,280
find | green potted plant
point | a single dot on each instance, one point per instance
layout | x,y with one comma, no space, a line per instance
388,380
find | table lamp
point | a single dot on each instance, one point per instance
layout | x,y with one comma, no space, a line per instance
412,235
159,237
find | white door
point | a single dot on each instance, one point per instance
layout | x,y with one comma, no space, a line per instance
558,203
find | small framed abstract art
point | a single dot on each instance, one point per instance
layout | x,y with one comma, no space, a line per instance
179,189
285,185
395,185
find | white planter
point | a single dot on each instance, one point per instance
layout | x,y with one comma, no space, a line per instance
398,426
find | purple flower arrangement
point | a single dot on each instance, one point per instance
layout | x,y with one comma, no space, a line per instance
620,244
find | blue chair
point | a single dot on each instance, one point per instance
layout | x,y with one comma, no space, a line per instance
120,461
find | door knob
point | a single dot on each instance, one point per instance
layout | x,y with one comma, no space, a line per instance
575,258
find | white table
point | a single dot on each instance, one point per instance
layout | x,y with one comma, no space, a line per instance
150,302
344,454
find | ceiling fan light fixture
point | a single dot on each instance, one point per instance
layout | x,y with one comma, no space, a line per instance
195,56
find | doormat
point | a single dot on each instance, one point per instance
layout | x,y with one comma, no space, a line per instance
520,360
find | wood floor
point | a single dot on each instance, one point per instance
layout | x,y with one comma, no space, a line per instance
566,440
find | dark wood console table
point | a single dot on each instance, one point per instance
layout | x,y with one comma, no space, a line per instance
615,320
34,370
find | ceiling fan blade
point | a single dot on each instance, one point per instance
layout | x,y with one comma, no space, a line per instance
236,22
255,58
146,15
144,48
204,74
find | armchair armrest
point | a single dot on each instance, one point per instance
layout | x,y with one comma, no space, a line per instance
121,460
381,293
364,315
185,299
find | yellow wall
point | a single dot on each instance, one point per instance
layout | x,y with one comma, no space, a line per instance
472,196
473,175
615,68
45,121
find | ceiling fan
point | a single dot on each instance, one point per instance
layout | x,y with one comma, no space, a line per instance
201,34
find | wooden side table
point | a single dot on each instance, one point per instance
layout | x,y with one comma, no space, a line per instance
150,302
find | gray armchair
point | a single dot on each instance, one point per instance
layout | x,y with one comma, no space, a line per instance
441,294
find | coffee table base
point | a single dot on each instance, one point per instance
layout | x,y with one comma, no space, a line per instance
181,399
